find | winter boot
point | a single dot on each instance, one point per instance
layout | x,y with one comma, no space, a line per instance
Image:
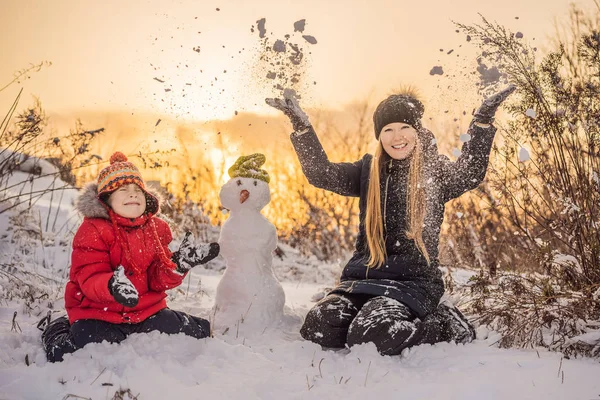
44,322
57,339
455,326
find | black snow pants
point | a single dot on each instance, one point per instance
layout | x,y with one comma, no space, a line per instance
349,319
60,338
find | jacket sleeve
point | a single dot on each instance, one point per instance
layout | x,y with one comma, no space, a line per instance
90,263
468,171
340,178
161,274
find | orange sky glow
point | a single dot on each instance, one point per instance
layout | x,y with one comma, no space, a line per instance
105,55
188,75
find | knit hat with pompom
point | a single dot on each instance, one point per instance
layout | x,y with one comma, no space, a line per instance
122,172
398,108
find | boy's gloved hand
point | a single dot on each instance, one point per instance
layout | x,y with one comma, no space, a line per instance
487,110
292,110
191,254
121,288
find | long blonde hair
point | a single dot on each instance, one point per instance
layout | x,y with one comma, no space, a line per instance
415,210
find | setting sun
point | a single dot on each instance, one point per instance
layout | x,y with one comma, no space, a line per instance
220,164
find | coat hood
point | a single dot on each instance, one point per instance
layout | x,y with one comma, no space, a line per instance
88,203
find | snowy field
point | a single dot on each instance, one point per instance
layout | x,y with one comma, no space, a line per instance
273,364
278,364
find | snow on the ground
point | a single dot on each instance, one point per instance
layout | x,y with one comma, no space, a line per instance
278,364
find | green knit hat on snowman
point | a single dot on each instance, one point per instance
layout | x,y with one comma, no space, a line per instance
249,167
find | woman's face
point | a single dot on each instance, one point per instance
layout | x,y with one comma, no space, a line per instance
398,140
128,201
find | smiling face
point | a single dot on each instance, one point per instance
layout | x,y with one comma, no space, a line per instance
128,201
398,140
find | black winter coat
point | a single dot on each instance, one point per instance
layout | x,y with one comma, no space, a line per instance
405,274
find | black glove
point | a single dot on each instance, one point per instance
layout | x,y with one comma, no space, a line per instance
121,288
292,110
191,255
487,110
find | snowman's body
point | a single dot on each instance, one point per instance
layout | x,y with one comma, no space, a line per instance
249,296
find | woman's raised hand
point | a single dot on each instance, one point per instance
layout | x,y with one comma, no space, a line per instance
487,110
292,110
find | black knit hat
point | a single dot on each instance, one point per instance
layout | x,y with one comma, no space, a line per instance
398,108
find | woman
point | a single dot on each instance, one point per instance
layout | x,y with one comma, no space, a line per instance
390,289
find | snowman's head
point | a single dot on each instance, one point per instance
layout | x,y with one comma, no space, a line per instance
249,185
245,194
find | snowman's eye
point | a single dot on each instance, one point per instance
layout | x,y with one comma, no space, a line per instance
239,182
254,183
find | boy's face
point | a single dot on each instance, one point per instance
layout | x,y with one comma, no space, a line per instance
128,201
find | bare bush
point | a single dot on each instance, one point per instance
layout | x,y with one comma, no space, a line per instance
26,147
542,197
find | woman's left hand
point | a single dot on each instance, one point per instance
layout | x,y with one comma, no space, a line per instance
487,110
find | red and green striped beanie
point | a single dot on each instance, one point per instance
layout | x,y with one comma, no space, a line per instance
120,172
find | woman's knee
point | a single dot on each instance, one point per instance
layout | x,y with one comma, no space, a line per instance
386,322
333,310
328,321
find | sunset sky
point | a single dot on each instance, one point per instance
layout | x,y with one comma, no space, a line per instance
106,54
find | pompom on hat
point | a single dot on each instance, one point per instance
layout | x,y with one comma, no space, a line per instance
398,108
249,167
123,172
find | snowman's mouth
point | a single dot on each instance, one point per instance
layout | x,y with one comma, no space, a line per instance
244,194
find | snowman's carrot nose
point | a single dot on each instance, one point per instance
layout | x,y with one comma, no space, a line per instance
244,194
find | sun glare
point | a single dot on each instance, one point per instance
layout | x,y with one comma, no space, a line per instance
221,164
195,78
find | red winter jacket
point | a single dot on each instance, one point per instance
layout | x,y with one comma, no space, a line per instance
98,251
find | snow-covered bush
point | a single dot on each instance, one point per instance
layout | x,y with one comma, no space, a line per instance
550,200
27,147
34,261
37,218
540,212
537,310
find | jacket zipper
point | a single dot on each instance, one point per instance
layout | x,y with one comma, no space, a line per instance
387,182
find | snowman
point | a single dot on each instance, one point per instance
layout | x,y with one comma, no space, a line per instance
249,296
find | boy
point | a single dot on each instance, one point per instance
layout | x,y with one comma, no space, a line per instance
121,267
